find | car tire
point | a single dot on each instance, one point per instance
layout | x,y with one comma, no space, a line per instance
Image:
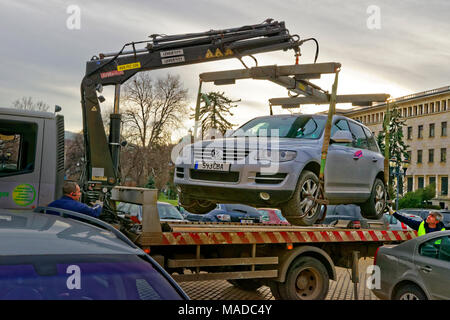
246,284
375,206
196,206
294,208
409,292
306,279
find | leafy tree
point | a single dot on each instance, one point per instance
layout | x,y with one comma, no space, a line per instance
397,147
150,183
215,106
419,198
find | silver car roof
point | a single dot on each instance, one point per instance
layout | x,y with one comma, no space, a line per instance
30,233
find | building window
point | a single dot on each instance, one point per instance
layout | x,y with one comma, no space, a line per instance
409,184
431,155
378,117
438,106
444,105
408,157
409,111
420,183
420,109
410,133
432,107
432,180
444,129
431,130
444,186
420,132
419,156
426,107
415,110
443,155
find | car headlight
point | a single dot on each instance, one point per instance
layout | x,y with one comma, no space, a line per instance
276,155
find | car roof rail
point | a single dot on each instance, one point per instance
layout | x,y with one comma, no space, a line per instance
88,219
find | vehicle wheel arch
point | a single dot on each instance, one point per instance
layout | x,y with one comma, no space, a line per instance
404,283
312,166
288,258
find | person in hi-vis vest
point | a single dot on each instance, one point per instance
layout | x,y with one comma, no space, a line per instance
431,224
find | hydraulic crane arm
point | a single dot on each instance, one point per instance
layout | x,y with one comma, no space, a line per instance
157,53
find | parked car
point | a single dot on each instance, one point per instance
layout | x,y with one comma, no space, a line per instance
352,213
397,225
190,216
166,211
272,216
234,169
233,213
416,269
50,257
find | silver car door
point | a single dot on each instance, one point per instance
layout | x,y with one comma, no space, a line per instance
341,170
376,160
433,266
362,161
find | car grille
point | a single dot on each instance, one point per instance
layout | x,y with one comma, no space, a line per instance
230,154
214,176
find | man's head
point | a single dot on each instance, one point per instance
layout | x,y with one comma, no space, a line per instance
72,190
434,217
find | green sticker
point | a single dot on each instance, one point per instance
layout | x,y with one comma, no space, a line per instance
24,195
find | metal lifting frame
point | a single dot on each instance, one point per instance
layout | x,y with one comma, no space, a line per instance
295,78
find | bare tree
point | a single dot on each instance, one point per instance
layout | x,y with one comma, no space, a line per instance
152,109
74,153
27,103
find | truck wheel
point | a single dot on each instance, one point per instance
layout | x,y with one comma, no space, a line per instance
196,206
409,292
307,279
246,284
374,207
275,289
294,210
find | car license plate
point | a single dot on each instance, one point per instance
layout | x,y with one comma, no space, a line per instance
246,221
212,166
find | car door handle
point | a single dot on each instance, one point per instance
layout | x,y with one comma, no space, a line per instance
426,269
374,159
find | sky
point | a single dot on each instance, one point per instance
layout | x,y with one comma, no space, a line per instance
394,47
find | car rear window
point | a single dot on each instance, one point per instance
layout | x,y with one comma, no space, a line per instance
82,277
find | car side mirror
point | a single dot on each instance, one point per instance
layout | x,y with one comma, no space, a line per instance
342,136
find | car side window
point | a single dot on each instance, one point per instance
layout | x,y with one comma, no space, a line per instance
371,140
437,248
359,137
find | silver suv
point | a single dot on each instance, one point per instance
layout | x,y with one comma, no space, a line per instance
274,161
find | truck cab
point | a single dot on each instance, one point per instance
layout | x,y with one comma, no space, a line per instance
31,172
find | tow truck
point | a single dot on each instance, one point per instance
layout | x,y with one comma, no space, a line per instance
296,262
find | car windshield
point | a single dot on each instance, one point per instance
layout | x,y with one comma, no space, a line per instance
169,212
82,277
301,127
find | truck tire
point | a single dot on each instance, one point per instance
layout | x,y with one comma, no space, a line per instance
196,206
246,284
275,289
308,183
374,207
409,292
307,279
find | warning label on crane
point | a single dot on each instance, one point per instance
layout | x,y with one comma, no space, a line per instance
129,66
218,53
